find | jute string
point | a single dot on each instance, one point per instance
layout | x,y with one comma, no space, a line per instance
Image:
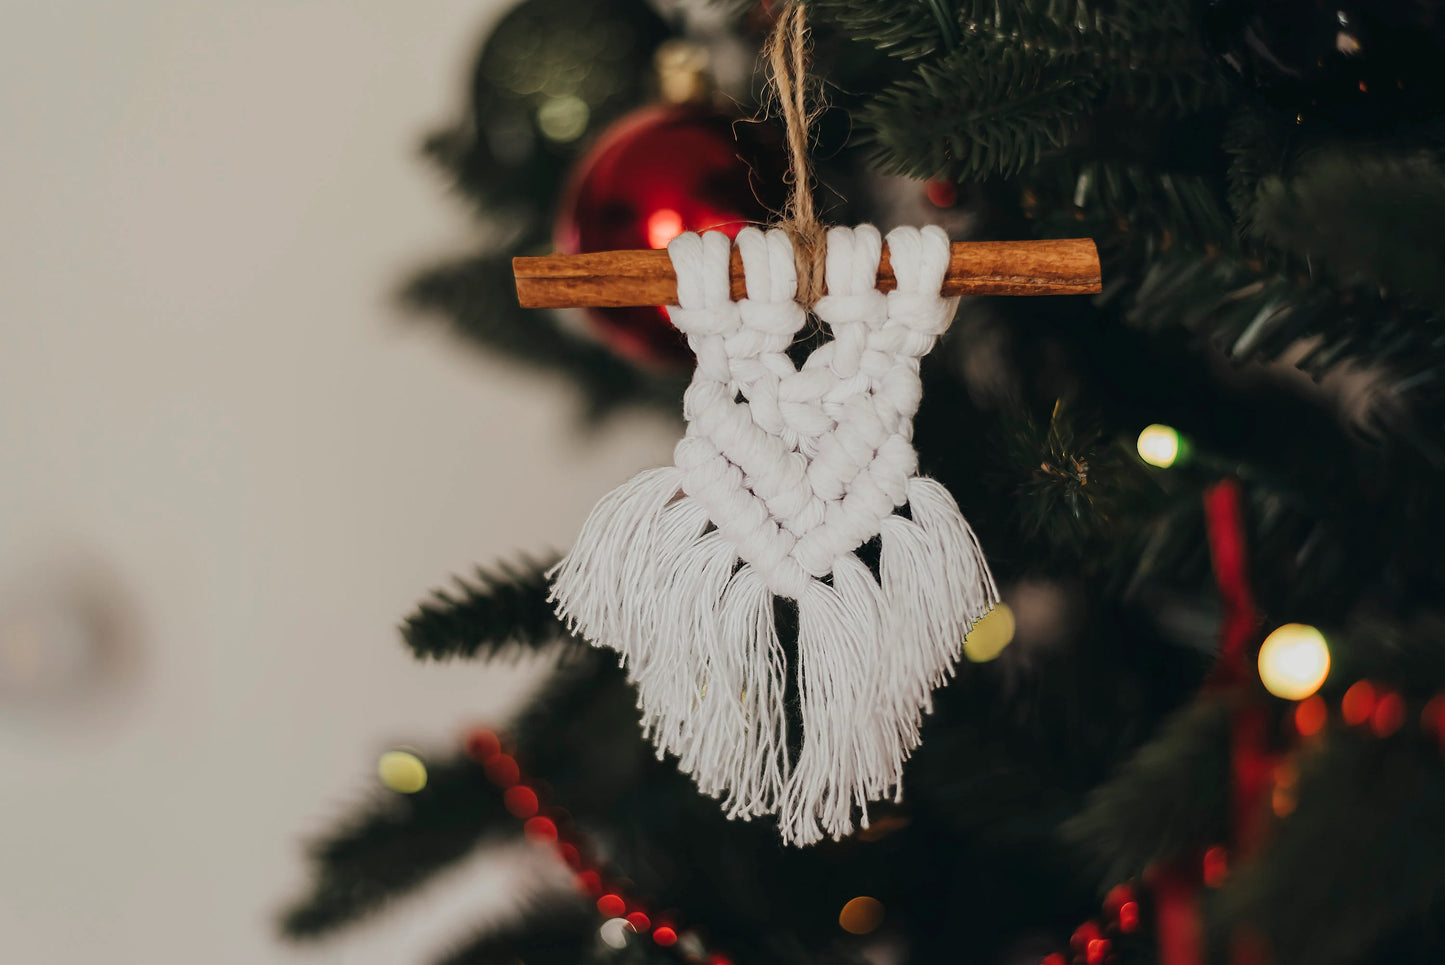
787,56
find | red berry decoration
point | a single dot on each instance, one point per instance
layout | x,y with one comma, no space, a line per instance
652,175
520,800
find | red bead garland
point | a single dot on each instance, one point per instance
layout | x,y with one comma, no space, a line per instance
524,800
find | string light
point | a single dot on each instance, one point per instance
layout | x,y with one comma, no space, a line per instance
994,631
861,915
614,932
1293,661
402,772
1162,446
611,905
664,936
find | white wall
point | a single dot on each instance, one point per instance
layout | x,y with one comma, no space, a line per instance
206,399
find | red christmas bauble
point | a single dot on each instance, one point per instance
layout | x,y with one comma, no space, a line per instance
652,175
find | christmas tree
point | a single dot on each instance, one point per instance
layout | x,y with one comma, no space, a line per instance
1207,722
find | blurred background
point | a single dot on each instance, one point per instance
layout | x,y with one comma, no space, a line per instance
229,468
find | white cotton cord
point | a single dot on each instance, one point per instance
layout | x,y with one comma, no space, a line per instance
783,473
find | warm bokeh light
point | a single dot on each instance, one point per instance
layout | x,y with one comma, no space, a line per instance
664,936
1358,703
1432,718
663,225
540,829
1389,715
1311,715
990,634
861,915
1293,661
639,921
402,772
614,932
1282,797
1215,866
1161,446
611,905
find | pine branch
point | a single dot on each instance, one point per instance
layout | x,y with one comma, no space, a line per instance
908,31
500,610
554,930
1363,851
1373,219
1072,485
1173,795
988,108
395,842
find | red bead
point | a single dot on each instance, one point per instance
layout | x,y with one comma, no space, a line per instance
1129,917
482,745
540,829
1098,948
570,855
640,923
1358,704
521,800
716,959
651,175
942,193
664,936
1054,958
1115,899
590,882
1389,715
502,770
1215,866
611,906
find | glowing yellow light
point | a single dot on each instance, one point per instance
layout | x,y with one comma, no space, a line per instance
861,915
1293,661
1162,446
402,772
663,225
990,634
564,118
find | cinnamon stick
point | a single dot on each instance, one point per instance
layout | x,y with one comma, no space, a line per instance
614,279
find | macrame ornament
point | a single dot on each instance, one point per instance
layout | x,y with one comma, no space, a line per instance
784,473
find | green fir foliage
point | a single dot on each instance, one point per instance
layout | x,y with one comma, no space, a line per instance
395,842
1170,798
498,611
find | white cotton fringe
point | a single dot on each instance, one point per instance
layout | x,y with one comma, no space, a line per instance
785,471
695,629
